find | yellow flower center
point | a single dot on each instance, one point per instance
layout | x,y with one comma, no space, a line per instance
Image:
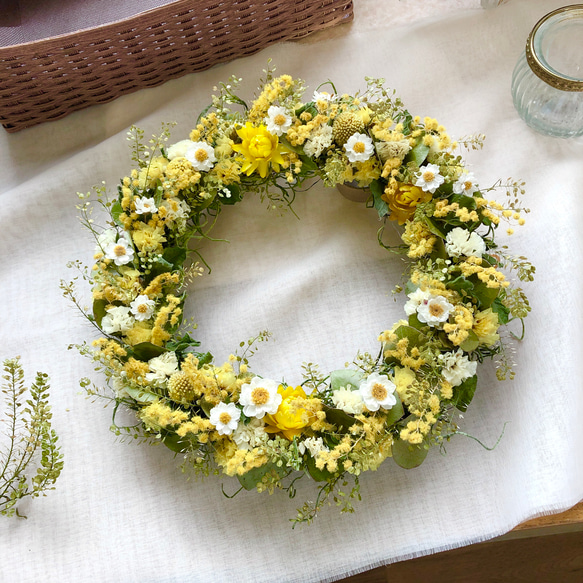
359,147
119,250
428,176
142,308
259,396
260,146
436,310
379,392
279,119
201,155
467,185
224,417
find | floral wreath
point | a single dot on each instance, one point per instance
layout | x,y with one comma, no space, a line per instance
333,426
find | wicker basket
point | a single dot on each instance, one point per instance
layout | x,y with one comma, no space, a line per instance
48,79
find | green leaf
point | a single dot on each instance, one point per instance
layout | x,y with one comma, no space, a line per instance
415,337
395,412
236,195
339,418
116,210
470,343
433,227
203,358
146,351
464,393
182,343
410,287
377,190
484,295
174,442
417,154
99,310
499,308
408,456
175,256
206,407
468,202
318,475
415,323
141,395
345,377
461,285
159,266
250,479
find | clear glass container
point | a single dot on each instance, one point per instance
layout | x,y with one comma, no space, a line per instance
547,83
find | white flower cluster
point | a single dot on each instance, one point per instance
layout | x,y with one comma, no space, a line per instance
460,241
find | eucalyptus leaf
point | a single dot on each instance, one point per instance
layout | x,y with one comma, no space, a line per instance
339,418
471,342
345,377
408,456
174,442
464,393
250,479
395,412
141,395
146,351
316,474
461,285
417,154
116,210
99,310
415,337
377,190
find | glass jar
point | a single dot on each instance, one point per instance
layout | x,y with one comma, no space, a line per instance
547,83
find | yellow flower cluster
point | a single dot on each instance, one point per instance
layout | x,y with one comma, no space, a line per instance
418,238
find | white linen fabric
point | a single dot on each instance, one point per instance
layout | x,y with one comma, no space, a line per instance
321,285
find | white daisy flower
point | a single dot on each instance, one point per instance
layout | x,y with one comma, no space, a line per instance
178,150
416,298
277,121
457,367
313,444
117,319
259,397
460,241
359,148
430,179
348,401
466,184
201,156
142,308
323,96
120,252
434,311
378,391
145,205
225,417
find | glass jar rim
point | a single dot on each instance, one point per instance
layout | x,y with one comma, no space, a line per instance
540,67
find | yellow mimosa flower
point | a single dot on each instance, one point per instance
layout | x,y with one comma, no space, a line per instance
289,419
260,149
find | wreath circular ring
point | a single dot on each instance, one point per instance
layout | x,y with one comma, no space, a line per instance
227,419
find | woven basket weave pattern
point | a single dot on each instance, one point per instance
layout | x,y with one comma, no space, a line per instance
48,79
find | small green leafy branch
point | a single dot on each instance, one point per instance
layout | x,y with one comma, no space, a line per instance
27,427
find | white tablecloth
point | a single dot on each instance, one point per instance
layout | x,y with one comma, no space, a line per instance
322,286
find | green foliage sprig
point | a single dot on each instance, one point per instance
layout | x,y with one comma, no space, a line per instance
29,434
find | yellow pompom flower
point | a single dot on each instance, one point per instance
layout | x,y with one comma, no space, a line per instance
260,149
291,418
